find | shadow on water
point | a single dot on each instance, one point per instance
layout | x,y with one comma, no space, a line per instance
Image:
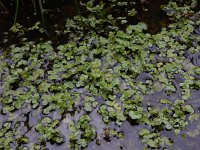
56,12
149,11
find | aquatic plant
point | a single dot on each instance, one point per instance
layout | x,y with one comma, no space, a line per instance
103,71
3,8
38,9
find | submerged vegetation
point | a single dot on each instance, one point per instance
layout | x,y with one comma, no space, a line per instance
108,73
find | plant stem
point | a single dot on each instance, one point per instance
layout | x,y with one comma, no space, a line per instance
42,16
16,11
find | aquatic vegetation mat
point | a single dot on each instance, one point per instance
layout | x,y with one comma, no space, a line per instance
84,92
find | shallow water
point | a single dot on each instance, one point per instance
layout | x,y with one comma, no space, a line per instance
28,118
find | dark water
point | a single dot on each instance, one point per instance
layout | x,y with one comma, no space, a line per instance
55,17
149,11
58,11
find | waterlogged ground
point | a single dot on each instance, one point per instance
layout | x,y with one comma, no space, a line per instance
110,85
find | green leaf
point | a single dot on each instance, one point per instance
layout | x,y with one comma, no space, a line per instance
188,108
134,114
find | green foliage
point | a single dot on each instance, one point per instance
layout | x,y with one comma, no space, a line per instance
107,64
86,136
47,128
